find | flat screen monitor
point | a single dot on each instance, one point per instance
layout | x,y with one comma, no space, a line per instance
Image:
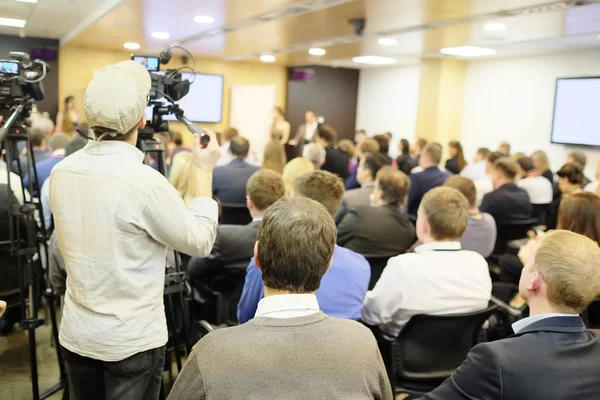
203,103
576,114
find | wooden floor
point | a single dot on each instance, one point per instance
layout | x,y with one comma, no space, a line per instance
15,380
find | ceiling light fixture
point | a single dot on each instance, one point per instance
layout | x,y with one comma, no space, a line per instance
16,23
494,27
267,58
27,1
315,51
373,60
387,41
467,51
131,46
160,35
203,19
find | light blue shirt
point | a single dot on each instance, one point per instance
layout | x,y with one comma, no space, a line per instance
525,322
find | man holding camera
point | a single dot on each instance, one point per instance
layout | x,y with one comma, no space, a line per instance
114,219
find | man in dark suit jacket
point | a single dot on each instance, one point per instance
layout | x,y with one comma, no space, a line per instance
229,181
431,176
337,161
305,133
234,244
552,355
381,229
507,202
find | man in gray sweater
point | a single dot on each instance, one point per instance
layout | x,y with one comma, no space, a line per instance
290,350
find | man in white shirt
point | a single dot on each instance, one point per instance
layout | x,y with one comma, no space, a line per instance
538,188
484,185
114,219
477,170
439,278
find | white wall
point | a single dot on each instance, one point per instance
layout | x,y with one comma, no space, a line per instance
513,99
387,101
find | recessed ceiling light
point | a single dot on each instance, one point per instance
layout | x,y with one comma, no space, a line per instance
373,60
16,23
317,51
467,51
160,35
386,41
267,58
27,1
203,19
494,27
131,46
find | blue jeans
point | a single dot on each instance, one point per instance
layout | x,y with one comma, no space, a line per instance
138,377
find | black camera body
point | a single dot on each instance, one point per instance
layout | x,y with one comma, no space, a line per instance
21,79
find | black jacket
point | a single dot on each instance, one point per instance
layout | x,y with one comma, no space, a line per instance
553,359
507,203
452,166
336,161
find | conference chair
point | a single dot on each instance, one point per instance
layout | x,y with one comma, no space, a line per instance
430,348
235,214
591,316
540,213
377,264
509,231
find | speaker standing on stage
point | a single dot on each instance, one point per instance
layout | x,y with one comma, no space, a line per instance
114,219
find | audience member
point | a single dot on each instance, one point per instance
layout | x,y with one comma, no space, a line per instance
37,138
416,149
367,146
183,176
404,161
570,181
477,170
485,185
593,187
229,181
552,354
177,139
580,213
291,349
336,159
306,132
457,161
439,278
228,136
294,170
360,136
57,144
368,167
316,154
516,156
429,178
379,229
538,188
507,202
504,148
68,119
348,146
274,157
384,146
540,161
280,128
480,235
580,159
234,245
20,193
345,284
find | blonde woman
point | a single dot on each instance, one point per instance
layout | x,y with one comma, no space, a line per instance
294,170
68,119
274,156
183,176
541,164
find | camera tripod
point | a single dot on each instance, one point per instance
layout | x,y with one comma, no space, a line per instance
25,242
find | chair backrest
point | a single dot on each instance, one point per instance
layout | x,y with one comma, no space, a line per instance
511,230
235,214
432,347
539,212
377,264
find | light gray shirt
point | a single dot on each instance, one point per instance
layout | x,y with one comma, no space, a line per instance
480,235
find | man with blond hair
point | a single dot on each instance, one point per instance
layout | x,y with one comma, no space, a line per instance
439,278
552,355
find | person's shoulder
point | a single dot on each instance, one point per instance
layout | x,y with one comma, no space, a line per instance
225,339
488,219
353,330
348,258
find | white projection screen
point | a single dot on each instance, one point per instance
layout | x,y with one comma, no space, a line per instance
577,112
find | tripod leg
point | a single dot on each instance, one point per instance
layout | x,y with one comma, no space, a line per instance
61,362
33,362
171,321
185,323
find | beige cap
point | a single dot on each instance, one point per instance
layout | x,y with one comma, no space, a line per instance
117,97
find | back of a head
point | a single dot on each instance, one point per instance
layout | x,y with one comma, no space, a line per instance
484,153
580,213
570,265
373,162
542,160
315,153
41,124
494,156
177,138
504,148
76,144
433,152
507,167
274,156
264,188
295,169
579,158
421,143
405,146
573,172
295,240
230,133
383,142
323,187
465,186
239,147
394,185
526,164
59,141
369,146
348,146
447,211
37,136
183,176
327,133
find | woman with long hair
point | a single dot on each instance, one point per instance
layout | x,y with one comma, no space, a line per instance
67,119
274,156
570,180
457,161
280,128
404,161
294,170
541,164
183,176
580,213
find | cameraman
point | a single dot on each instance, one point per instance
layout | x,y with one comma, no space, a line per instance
114,219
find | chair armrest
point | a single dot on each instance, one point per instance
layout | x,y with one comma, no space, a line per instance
505,307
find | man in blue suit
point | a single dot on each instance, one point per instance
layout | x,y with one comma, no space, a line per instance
229,181
57,144
431,176
552,356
